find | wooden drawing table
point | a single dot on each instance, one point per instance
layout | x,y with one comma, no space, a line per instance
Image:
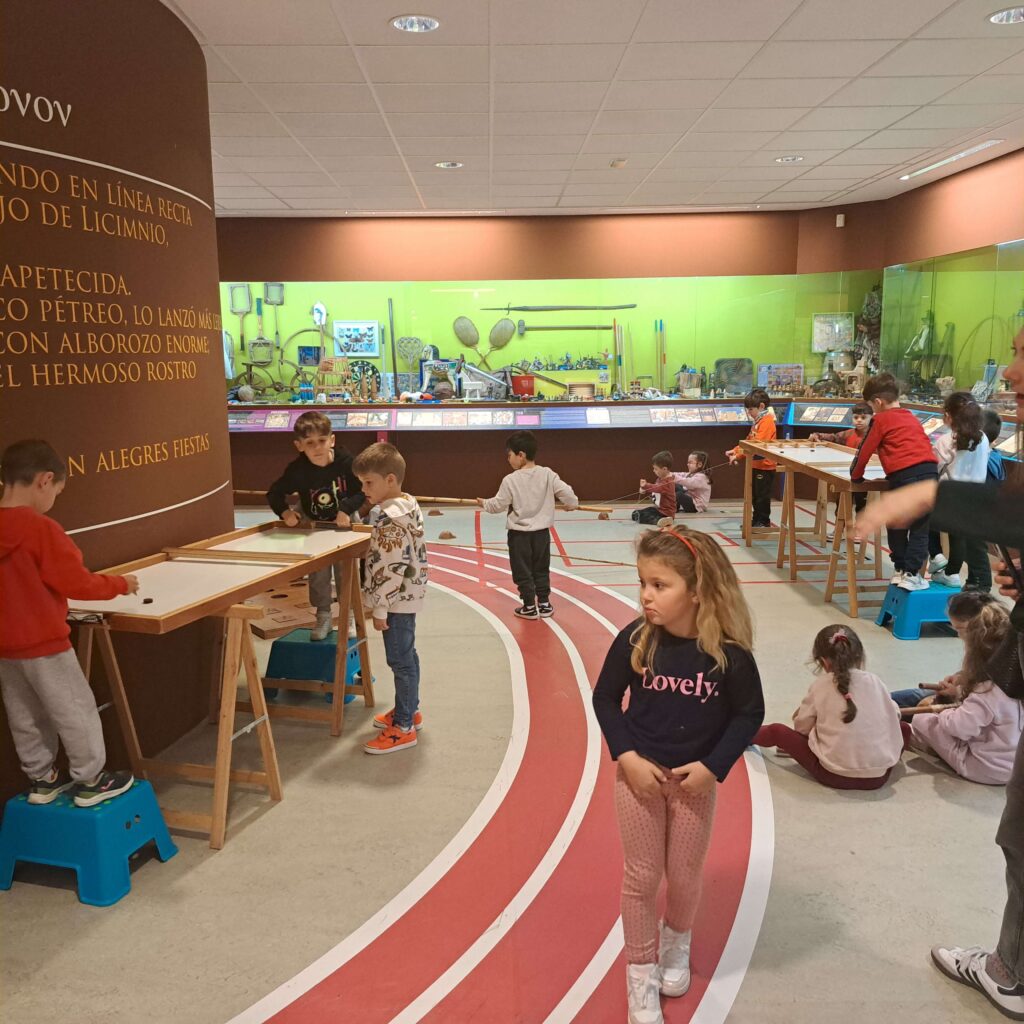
829,464
210,579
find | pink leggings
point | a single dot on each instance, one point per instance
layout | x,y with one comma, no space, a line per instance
795,744
666,835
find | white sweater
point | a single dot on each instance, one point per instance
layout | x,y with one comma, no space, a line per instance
396,566
528,495
865,748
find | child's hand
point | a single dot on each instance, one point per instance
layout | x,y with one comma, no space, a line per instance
290,518
948,687
342,519
133,583
643,483
732,458
643,777
695,778
380,625
480,502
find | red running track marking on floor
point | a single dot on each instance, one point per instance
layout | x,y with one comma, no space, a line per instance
559,545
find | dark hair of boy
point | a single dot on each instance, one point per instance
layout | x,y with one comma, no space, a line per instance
965,418
381,458
312,423
861,409
522,442
884,386
756,398
991,424
662,460
842,649
23,461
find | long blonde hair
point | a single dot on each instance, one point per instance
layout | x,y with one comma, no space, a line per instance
722,613
983,635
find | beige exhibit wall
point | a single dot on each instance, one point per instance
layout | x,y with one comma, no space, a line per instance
110,341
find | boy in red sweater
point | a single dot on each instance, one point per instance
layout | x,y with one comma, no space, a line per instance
664,486
44,691
906,455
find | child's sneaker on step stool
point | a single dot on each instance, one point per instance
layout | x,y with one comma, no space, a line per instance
527,611
912,581
322,629
45,791
897,578
387,720
947,579
390,740
106,787
938,563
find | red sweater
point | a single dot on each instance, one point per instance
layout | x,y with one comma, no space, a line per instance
899,440
666,492
40,568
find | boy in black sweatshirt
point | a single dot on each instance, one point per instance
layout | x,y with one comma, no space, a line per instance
328,491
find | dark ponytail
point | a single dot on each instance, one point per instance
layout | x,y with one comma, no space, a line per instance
966,419
842,649
703,467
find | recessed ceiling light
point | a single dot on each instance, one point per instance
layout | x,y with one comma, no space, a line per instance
788,159
448,165
415,23
1010,16
950,159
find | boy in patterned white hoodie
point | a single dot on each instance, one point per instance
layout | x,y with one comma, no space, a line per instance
394,585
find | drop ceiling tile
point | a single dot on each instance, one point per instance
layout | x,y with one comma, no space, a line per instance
435,125
662,192
241,146
697,158
539,143
234,98
954,56
694,175
376,163
470,165
465,195
272,179
514,96
543,123
724,141
539,162
807,196
366,24
893,157
988,89
385,205
216,69
293,63
1013,66
501,177
364,179
728,198
829,58
592,188
671,94
924,138
363,147
288,192
811,157
245,124
316,97
323,204
222,163
444,147
231,178
352,126
733,186
737,119
540,22
862,171
240,192
526,190
609,175
265,21
810,184
452,179
966,115
634,161
910,90
256,203
425,64
966,20
723,19
871,19
432,97
765,172
851,118
535,202
797,142
622,122
652,61
615,144
274,163
591,62
778,92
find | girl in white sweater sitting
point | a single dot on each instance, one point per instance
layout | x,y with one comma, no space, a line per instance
846,732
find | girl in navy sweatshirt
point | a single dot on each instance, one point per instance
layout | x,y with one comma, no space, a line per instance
695,703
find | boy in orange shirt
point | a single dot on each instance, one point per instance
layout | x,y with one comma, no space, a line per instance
758,406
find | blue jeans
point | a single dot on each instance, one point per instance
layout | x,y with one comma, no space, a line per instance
912,697
404,662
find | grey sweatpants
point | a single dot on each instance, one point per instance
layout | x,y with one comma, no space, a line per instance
320,587
46,699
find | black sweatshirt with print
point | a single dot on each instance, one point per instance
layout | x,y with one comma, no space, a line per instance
324,490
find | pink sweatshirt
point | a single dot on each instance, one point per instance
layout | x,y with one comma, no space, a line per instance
697,486
865,748
978,740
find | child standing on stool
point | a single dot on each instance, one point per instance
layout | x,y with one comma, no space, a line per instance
46,695
663,487
906,455
693,488
528,495
846,732
695,703
396,583
328,492
758,406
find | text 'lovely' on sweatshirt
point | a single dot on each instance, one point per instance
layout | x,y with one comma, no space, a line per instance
323,490
529,495
685,710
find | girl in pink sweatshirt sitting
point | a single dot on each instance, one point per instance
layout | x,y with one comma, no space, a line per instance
693,488
978,738
846,732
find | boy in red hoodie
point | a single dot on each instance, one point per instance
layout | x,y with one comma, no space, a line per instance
906,455
44,691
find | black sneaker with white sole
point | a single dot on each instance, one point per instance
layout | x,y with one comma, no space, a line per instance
527,611
968,967
107,786
45,791
544,609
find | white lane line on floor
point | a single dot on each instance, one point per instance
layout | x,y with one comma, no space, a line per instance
600,964
540,875
340,954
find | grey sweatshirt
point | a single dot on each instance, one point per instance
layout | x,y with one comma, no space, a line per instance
529,496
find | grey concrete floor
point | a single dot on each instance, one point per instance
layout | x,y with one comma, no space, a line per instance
863,885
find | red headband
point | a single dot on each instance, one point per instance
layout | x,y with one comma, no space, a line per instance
679,536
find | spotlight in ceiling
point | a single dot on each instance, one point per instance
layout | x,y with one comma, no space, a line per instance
951,159
448,165
1009,16
415,23
788,159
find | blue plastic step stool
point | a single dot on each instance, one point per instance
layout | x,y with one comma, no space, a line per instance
909,608
95,842
295,656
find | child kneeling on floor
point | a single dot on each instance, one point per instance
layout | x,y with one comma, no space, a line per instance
394,585
695,702
846,732
663,488
46,695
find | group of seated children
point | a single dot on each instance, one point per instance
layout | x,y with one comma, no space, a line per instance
675,492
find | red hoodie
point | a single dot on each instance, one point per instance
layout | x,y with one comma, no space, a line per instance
40,568
898,438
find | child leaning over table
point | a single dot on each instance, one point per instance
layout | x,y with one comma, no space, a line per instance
395,584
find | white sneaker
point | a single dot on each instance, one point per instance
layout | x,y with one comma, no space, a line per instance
352,626
937,564
913,581
897,578
322,629
830,536
968,966
643,990
947,579
674,961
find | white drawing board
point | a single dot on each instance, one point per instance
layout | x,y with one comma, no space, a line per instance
284,541
828,460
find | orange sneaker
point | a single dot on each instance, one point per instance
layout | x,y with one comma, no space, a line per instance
390,740
386,720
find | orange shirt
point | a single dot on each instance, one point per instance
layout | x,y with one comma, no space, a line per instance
763,429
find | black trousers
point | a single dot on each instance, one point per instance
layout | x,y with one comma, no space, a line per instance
529,555
648,515
683,500
908,545
761,483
